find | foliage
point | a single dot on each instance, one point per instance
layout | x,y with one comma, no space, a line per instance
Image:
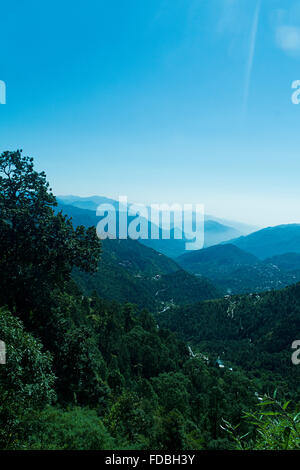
277,427
274,427
26,380
72,429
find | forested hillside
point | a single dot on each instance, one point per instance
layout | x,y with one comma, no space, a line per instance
83,372
235,271
131,272
254,332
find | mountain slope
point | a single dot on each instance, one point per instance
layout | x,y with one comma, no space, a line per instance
261,318
220,257
215,233
271,241
288,262
236,271
131,272
241,227
79,216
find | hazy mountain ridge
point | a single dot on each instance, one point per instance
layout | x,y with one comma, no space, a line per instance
216,230
271,241
92,202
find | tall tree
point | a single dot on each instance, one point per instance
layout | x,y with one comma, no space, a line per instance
39,247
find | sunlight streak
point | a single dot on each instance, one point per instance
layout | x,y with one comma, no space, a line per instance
251,56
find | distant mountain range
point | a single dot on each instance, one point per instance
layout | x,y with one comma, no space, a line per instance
90,203
260,261
216,230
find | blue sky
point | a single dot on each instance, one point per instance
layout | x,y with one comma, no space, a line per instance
160,100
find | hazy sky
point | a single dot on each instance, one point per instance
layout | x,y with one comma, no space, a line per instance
159,100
